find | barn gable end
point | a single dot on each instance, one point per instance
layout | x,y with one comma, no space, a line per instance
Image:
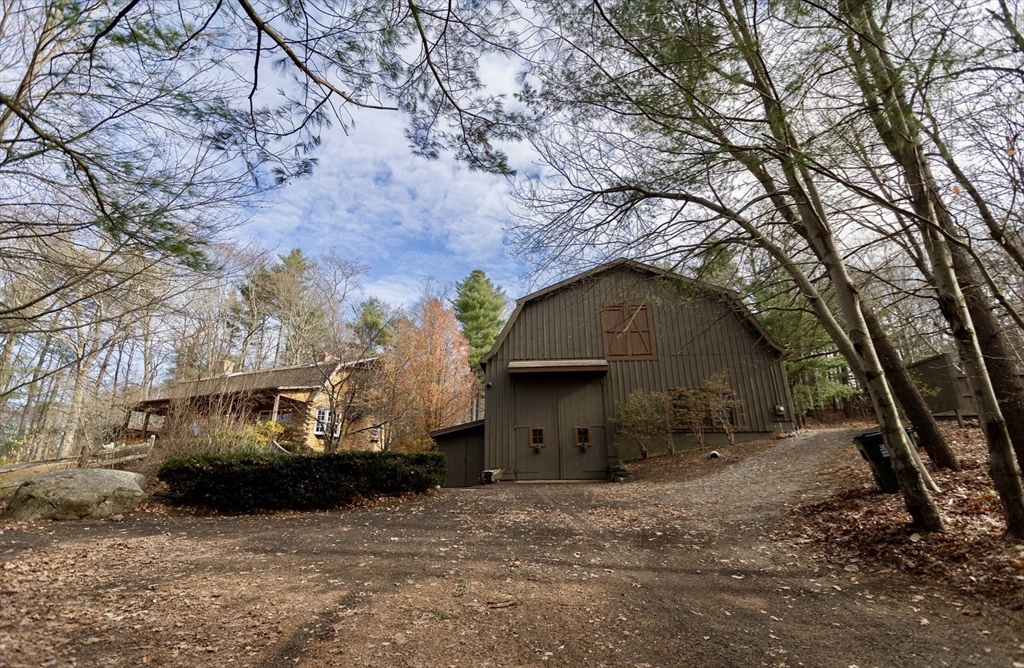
556,371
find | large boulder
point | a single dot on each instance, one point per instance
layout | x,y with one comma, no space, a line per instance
77,493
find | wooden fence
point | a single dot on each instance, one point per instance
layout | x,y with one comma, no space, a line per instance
14,474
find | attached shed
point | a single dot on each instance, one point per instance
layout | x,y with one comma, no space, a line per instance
571,351
463,447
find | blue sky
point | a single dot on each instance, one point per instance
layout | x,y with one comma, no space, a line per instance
406,217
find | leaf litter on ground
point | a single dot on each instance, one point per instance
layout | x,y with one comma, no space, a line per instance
858,524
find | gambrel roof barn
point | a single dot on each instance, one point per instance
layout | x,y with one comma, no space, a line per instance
570,352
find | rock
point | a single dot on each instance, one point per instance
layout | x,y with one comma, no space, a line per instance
76,493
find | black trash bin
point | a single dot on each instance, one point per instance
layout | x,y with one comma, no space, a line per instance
872,449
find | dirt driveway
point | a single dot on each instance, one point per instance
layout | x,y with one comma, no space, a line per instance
654,572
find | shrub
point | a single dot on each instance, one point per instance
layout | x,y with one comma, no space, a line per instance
246,481
644,417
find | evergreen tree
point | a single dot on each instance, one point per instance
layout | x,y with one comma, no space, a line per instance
480,309
374,330
302,318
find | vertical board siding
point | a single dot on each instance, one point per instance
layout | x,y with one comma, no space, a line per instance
696,336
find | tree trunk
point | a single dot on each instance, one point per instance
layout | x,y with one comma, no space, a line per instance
33,390
999,358
148,363
918,501
903,386
69,440
1002,465
102,371
886,102
89,348
6,365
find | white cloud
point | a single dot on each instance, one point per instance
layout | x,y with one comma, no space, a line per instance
407,217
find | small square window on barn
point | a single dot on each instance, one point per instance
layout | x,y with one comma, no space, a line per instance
582,437
628,331
537,437
265,416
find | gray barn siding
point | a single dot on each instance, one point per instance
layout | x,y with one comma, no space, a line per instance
945,387
696,336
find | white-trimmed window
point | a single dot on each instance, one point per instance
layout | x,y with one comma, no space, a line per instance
324,419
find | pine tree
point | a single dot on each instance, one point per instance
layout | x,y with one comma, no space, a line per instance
480,308
374,330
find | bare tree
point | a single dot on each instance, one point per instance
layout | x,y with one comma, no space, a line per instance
646,417
959,291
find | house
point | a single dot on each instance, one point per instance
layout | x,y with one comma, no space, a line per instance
314,403
572,351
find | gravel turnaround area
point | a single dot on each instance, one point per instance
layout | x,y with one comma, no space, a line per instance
675,567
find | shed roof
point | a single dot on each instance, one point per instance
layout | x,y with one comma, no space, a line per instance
730,296
465,426
297,377
944,358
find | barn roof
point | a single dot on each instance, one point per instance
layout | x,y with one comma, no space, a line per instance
732,298
297,377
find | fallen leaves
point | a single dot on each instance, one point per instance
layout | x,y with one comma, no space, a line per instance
860,524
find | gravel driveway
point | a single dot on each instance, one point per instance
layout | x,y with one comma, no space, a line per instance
659,571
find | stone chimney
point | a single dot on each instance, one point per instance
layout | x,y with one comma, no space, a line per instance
325,357
224,367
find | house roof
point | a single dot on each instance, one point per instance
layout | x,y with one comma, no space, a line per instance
733,298
298,377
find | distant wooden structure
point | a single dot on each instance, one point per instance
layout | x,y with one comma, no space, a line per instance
946,388
13,475
298,397
572,351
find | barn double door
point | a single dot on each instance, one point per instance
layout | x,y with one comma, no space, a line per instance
559,432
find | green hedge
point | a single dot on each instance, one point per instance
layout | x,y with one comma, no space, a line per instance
245,482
